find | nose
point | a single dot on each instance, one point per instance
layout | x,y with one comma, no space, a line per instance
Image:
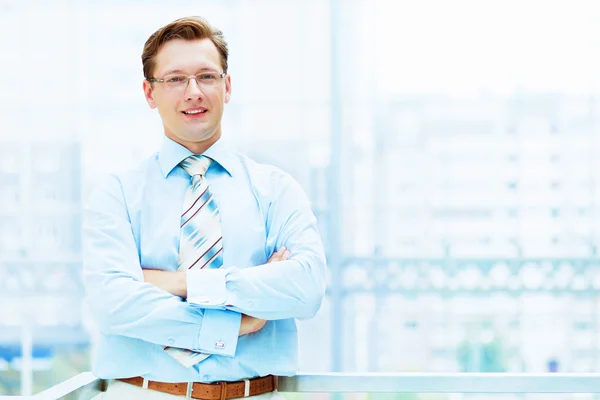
193,90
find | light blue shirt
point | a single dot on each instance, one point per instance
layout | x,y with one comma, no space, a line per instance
132,222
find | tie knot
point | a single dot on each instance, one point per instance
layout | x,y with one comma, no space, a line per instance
196,165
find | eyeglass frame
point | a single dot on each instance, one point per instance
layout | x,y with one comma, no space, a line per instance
162,80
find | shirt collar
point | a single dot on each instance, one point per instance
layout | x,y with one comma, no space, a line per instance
172,153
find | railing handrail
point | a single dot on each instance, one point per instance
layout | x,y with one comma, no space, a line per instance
442,383
85,382
389,383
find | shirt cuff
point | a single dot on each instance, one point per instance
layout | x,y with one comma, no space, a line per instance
206,288
219,332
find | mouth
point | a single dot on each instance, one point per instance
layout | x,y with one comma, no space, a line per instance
195,112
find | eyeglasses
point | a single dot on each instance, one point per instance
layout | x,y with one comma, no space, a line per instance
179,82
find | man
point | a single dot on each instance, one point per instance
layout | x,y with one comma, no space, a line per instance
198,262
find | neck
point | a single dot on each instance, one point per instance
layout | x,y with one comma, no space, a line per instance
196,147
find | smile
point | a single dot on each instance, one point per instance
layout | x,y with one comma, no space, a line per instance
193,112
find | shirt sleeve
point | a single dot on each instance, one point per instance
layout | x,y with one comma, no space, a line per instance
219,332
121,302
287,289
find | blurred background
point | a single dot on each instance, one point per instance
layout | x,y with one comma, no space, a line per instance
450,149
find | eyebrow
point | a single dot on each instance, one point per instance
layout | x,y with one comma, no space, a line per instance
179,71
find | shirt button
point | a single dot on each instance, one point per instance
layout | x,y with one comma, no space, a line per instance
171,341
250,304
206,377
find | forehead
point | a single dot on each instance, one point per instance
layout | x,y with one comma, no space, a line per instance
187,56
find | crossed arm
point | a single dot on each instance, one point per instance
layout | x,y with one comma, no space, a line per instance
176,284
132,302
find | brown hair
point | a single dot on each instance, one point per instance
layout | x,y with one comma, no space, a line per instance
187,28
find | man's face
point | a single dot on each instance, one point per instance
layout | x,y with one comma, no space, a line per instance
178,106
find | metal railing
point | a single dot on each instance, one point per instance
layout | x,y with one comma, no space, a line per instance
86,385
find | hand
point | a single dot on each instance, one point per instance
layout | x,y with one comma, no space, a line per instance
251,324
280,255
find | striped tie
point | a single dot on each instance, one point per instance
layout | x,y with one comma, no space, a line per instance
201,243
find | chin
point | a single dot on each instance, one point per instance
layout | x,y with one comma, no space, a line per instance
198,138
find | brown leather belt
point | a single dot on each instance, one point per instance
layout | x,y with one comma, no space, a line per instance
211,391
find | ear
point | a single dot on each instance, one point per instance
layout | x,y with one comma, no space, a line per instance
149,94
227,89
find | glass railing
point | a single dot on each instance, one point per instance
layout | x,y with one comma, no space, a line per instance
86,385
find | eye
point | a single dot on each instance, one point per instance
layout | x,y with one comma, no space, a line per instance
175,79
207,77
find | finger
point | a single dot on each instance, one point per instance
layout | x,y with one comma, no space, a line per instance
275,257
286,255
279,252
